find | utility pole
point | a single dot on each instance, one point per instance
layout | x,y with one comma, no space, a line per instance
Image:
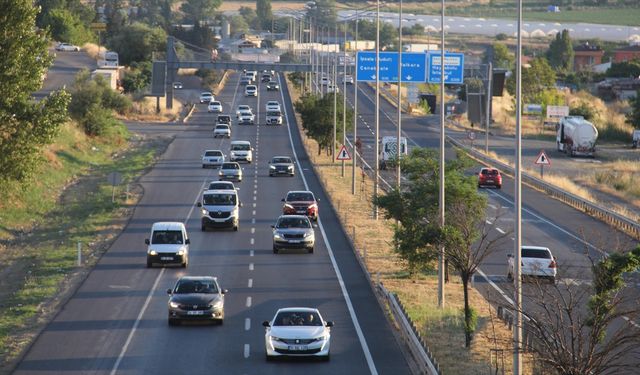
517,329
488,110
441,260
377,136
344,93
398,143
335,97
355,118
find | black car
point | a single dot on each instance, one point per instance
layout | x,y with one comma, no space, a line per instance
196,298
273,86
265,77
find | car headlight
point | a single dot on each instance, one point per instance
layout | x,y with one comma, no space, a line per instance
290,167
218,305
181,252
287,205
321,338
277,236
205,212
272,167
275,338
235,212
308,234
153,252
174,305
221,173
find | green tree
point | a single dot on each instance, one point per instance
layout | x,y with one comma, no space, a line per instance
416,29
625,69
317,118
67,27
137,78
585,110
197,11
25,125
500,57
263,11
324,13
560,53
238,24
537,80
137,41
157,12
83,12
633,117
388,33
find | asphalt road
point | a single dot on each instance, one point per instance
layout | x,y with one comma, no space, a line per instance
117,320
63,71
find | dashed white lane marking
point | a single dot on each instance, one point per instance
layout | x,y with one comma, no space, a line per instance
255,186
493,206
254,205
247,324
255,198
500,230
486,221
247,349
253,221
251,253
256,191
248,302
250,266
250,283
253,241
253,230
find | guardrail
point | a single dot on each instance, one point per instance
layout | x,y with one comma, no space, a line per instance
614,219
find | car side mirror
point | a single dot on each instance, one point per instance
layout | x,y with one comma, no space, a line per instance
169,291
509,255
329,323
240,204
273,226
282,199
146,241
317,199
266,324
187,241
199,204
225,291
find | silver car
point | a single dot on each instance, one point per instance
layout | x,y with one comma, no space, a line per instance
222,130
212,158
230,171
293,232
281,165
246,118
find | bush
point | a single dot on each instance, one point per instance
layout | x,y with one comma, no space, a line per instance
98,121
137,78
210,78
585,110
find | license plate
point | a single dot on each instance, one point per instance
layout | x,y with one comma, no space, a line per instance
294,241
195,312
490,181
297,347
166,258
301,212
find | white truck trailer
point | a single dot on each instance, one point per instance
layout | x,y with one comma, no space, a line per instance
576,136
389,148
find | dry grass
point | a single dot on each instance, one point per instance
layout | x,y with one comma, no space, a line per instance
145,110
275,5
92,49
442,328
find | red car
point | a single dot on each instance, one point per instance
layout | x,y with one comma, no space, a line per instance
301,203
489,177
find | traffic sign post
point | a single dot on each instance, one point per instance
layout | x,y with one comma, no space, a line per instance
343,154
453,68
414,66
542,160
472,136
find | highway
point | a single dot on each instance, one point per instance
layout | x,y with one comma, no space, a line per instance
63,71
116,322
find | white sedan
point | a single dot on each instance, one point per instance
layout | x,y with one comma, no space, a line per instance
251,90
206,97
214,107
66,47
243,107
246,118
272,105
222,130
297,331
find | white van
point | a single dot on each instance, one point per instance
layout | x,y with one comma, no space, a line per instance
241,151
220,208
168,244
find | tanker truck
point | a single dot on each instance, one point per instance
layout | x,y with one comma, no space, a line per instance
576,136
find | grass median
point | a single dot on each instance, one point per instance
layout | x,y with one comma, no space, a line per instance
441,328
68,202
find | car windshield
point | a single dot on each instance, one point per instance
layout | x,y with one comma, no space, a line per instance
214,103
246,113
244,107
274,113
489,172
536,253
220,186
167,237
297,318
222,127
213,153
196,286
281,160
240,147
230,166
303,196
219,199
224,119
293,222
205,94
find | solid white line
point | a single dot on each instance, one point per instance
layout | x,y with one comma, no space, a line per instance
250,283
247,324
251,267
345,293
247,349
496,287
248,302
500,230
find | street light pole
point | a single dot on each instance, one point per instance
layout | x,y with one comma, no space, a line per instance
344,93
335,97
488,110
441,260
398,143
377,109
355,117
517,329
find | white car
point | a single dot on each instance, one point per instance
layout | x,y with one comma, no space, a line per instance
251,90
297,332
272,105
66,47
324,81
348,79
177,85
332,88
212,158
243,107
206,97
252,73
222,130
241,151
537,261
214,107
246,118
221,185
230,171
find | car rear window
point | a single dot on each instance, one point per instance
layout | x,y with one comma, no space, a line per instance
213,153
536,253
299,197
490,172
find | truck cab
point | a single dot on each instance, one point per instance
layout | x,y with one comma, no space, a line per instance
389,148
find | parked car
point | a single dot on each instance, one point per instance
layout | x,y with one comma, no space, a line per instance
66,47
212,158
222,130
251,90
177,85
196,298
297,331
301,203
281,165
489,177
168,244
214,107
273,86
230,171
536,261
206,97
272,105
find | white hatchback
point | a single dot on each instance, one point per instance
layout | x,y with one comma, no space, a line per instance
251,90
537,261
222,130
297,332
272,105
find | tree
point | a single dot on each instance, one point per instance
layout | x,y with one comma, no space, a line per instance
560,53
388,33
25,126
633,117
323,13
157,12
83,12
585,110
625,69
64,26
317,118
536,80
238,24
137,41
500,57
586,328
197,11
416,29
263,11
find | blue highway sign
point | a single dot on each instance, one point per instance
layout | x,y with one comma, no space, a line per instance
453,67
414,66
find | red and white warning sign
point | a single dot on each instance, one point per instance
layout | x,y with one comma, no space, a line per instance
543,159
343,154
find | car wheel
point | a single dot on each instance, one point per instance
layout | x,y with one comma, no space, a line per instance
173,322
149,263
235,228
310,250
275,250
510,276
498,186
